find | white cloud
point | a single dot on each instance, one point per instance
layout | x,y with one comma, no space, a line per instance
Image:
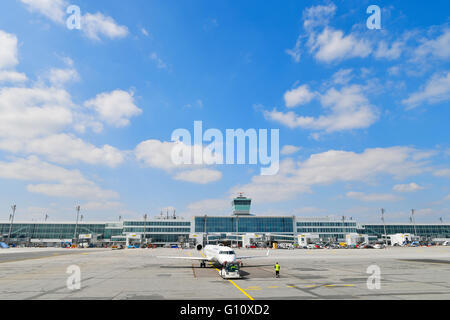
348,109
160,64
94,26
374,197
158,154
331,45
198,103
392,53
410,187
436,90
209,207
394,71
64,182
65,149
8,50
318,15
313,17
299,96
288,150
59,77
97,25
332,167
343,76
442,173
438,48
115,108
85,191
201,176
33,169
32,112
52,9
12,77
296,52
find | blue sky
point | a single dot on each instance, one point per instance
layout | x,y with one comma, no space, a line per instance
86,116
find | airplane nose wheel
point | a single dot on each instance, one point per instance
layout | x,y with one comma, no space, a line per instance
202,265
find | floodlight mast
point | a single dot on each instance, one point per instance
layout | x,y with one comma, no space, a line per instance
13,207
78,208
414,221
384,225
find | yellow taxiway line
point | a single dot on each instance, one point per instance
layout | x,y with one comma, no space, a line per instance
239,288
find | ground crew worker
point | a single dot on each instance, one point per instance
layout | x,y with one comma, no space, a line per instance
277,270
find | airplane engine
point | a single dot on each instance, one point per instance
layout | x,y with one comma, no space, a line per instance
199,247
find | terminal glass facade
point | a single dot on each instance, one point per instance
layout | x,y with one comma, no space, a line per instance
49,230
244,224
327,230
422,230
171,231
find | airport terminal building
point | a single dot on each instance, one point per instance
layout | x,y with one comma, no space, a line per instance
241,228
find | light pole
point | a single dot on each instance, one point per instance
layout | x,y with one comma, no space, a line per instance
384,224
145,229
76,225
205,231
414,221
13,207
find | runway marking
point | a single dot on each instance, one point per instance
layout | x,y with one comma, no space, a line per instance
31,258
239,288
254,288
55,254
273,287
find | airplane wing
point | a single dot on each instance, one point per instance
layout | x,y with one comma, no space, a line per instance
186,258
253,257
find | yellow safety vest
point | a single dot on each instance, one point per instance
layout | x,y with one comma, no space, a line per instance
277,267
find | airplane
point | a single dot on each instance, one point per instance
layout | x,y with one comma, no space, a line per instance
216,254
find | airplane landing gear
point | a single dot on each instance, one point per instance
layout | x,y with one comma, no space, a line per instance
203,265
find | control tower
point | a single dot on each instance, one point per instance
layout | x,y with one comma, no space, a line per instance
241,205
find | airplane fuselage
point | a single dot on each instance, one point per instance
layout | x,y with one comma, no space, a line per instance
220,254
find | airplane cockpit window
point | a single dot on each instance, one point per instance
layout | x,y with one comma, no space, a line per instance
226,252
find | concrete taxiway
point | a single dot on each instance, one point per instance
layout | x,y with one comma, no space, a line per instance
406,273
